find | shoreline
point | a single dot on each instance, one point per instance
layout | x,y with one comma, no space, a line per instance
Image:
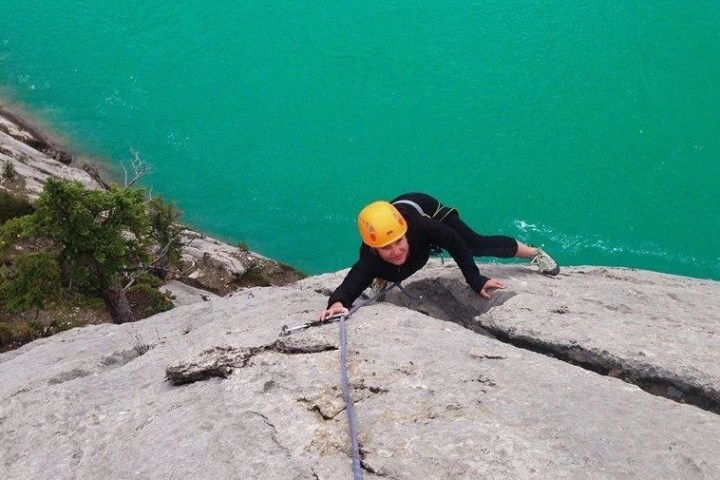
37,134
40,135
32,133
208,264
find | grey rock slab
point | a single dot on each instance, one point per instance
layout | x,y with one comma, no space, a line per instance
501,412
658,330
185,294
434,400
36,167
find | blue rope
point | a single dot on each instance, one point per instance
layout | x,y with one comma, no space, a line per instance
344,382
380,294
349,406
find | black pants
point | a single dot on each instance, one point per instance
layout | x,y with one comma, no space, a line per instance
499,246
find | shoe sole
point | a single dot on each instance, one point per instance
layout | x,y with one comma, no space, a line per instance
552,273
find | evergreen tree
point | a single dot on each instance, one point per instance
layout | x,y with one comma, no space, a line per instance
102,239
166,230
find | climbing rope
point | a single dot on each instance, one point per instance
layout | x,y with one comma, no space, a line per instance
404,290
349,405
377,298
288,330
344,382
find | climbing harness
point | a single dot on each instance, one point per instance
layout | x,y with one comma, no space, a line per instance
440,213
412,204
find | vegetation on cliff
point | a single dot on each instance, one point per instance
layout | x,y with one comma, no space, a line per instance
79,252
79,246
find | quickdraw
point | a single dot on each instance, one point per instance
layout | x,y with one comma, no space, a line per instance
285,331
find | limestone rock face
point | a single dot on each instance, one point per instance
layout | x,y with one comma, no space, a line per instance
35,167
541,382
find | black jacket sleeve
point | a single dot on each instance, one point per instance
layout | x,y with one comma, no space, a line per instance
445,237
360,276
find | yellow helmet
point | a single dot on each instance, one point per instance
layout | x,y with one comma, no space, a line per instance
380,224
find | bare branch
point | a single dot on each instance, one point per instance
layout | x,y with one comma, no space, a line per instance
139,168
157,257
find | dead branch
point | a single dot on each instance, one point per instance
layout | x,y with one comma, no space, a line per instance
140,168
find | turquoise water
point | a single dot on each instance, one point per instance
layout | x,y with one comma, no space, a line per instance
588,127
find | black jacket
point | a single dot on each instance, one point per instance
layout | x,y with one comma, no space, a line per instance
423,234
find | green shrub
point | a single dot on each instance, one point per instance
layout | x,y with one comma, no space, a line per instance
8,172
26,333
33,283
165,231
75,299
149,280
60,323
13,207
148,300
6,335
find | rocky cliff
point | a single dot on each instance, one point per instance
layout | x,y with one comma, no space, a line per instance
599,373
209,266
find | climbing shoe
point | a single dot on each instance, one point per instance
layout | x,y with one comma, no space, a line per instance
545,263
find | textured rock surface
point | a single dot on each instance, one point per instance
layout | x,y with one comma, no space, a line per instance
434,399
659,331
36,167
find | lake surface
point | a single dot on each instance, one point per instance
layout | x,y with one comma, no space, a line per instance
590,128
